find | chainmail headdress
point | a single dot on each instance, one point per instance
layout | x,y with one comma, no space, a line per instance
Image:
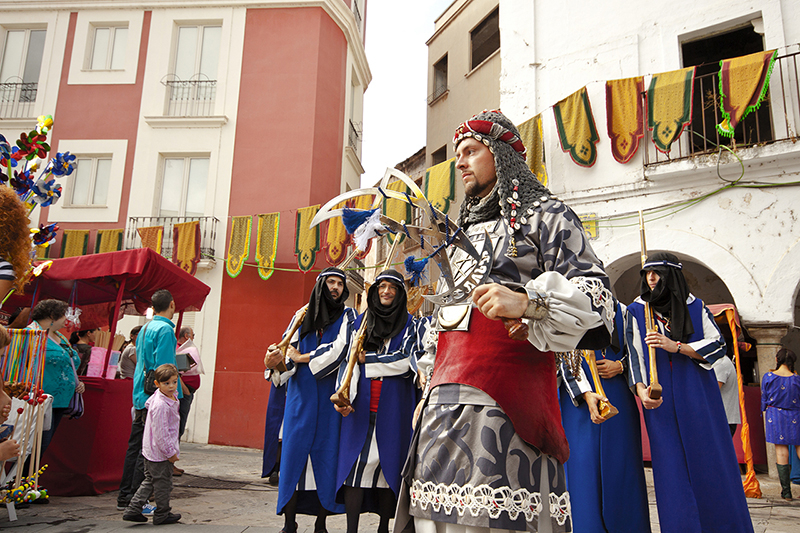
517,190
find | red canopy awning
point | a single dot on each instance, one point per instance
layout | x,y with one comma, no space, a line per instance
97,278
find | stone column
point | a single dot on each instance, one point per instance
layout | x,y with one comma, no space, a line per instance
769,339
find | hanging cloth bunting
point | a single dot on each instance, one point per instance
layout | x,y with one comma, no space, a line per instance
186,245
439,185
363,203
576,128
336,239
74,242
397,209
108,240
306,242
267,243
239,245
532,136
743,84
624,115
669,106
152,237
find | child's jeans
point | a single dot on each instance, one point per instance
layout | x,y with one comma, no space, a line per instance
158,480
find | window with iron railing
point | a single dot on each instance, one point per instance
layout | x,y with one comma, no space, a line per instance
357,14
19,71
439,80
354,136
183,186
192,86
208,233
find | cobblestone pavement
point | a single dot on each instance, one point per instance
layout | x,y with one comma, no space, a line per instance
222,491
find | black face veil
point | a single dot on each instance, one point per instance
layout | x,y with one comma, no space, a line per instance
323,309
670,294
385,321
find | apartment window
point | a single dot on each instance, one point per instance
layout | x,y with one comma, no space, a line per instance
19,71
439,156
183,189
108,48
193,85
90,181
439,79
485,38
706,55
357,14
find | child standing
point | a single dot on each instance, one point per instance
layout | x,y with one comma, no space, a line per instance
160,449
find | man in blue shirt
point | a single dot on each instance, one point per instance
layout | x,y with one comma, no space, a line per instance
155,346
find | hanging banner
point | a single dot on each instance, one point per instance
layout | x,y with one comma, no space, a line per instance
532,136
439,185
743,84
152,237
186,245
624,116
576,128
267,243
108,240
336,239
239,245
306,242
74,242
397,209
669,106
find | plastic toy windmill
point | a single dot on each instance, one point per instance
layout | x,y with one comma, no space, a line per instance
436,235
32,274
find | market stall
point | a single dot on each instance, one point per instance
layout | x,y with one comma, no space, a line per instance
86,455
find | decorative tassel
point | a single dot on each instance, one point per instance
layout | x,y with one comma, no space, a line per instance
414,267
353,218
367,230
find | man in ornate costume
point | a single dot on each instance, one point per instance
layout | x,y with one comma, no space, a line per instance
695,472
307,483
375,438
489,449
605,473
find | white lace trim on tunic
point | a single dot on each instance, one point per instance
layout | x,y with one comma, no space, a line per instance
485,499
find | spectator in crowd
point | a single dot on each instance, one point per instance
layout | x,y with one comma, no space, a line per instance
15,242
160,447
725,371
60,377
780,401
155,346
127,361
82,341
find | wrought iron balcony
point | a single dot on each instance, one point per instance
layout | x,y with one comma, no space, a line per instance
190,98
208,233
437,92
354,136
17,99
776,120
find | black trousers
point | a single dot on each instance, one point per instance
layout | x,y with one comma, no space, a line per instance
133,470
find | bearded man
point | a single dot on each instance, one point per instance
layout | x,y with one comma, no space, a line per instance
311,425
489,449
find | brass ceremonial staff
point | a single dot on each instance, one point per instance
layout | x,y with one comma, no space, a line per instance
301,315
605,409
341,398
655,387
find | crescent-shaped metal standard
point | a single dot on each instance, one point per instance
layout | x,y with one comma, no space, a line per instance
476,276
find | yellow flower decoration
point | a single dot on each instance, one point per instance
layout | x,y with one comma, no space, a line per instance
44,124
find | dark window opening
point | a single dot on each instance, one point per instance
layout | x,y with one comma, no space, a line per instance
706,54
439,156
485,38
440,76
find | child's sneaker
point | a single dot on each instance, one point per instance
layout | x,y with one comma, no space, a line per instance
171,518
134,517
148,509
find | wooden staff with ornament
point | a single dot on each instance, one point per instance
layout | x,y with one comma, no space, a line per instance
605,408
341,398
655,388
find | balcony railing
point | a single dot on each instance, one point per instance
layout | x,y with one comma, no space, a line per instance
353,136
17,99
357,14
191,98
776,119
208,233
437,92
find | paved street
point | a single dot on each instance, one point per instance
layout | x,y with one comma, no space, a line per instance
222,492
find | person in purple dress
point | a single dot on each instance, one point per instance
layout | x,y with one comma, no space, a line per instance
780,401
